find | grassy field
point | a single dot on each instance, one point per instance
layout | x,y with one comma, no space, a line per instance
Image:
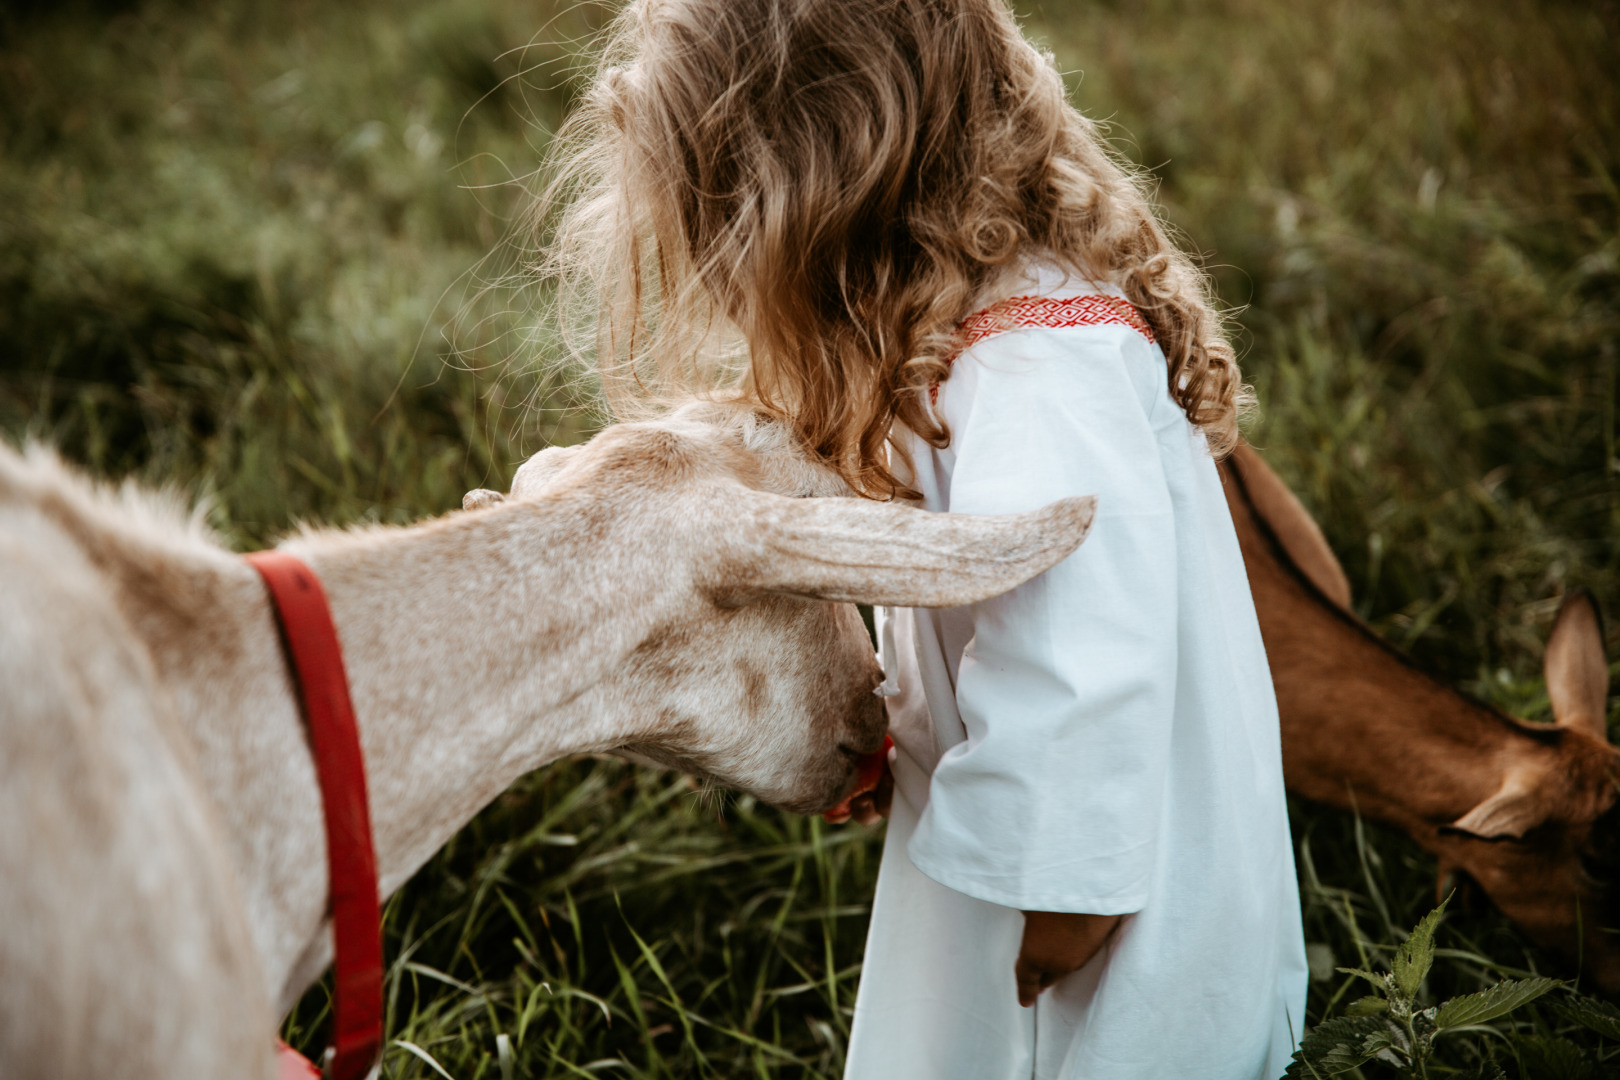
242,249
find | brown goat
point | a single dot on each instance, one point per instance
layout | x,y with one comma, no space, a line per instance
1521,808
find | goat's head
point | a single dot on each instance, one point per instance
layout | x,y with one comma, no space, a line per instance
753,667
1529,811
1536,791
1555,869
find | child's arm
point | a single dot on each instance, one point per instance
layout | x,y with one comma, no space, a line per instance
1057,943
1067,690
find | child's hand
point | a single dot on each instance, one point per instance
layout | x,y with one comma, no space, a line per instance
1055,944
874,791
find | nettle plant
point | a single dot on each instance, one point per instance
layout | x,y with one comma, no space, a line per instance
1391,1027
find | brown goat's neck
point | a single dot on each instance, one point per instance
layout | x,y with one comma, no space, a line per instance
1423,754
1411,729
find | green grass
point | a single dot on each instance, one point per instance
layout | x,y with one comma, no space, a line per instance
241,251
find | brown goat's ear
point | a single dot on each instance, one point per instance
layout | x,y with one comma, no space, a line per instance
1578,684
882,553
1296,531
1577,671
1508,814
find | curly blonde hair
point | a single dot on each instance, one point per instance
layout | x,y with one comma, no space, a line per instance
800,201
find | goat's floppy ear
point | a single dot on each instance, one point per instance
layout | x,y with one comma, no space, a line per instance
1577,671
1507,814
1578,684
1298,533
880,553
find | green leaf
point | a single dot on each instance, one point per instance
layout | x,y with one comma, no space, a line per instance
1416,954
1337,1046
1367,1006
1545,1057
1598,1016
1380,981
1487,1005
1378,1042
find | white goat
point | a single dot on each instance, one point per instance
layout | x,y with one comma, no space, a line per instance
163,895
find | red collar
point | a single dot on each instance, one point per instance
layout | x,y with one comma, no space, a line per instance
311,643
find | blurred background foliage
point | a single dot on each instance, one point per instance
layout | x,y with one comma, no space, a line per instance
243,250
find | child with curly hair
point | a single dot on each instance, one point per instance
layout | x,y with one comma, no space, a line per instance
881,222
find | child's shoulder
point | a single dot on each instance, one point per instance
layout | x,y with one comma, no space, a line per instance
1053,329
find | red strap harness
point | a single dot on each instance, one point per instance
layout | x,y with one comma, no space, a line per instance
316,658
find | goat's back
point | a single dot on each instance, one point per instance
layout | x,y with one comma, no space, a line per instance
122,948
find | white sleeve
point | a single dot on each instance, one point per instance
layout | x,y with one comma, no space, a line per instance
1067,689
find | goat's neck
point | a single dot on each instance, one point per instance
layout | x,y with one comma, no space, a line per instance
1364,729
474,647
470,644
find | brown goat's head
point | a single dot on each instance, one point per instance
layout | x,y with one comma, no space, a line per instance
753,667
1528,811
1577,788
1545,845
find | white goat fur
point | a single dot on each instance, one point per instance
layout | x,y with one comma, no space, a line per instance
163,890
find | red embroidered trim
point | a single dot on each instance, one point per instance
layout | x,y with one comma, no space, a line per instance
1049,313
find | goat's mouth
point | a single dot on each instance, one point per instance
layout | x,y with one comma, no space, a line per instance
864,768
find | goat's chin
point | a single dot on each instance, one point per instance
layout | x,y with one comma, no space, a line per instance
838,789
807,806
810,796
